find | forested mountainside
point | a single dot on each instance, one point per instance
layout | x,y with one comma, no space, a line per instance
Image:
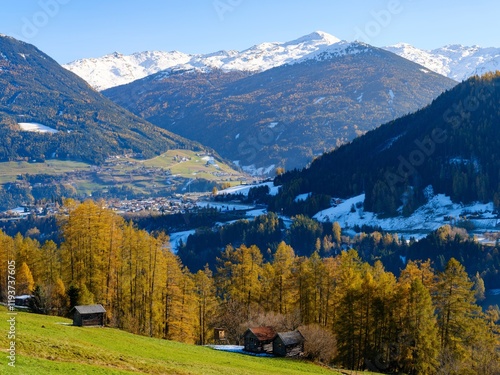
452,145
48,112
287,115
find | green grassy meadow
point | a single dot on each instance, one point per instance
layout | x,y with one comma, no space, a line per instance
183,165
50,345
10,170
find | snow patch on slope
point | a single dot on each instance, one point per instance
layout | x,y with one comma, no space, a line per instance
244,189
438,211
36,127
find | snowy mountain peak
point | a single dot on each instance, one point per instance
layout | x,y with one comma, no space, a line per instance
455,61
338,49
315,37
117,69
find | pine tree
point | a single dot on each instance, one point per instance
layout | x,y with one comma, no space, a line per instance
58,297
457,312
283,292
240,273
479,289
337,232
348,319
207,304
24,280
7,254
417,327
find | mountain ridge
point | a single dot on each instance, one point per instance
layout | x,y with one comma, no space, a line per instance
116,69
287,115
457,62
49,112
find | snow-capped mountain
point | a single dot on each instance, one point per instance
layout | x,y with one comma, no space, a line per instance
456,61
287,115
116,69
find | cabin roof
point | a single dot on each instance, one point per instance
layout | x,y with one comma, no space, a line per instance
263,333
24,296
90,309
291,338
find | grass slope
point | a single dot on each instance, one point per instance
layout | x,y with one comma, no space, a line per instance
49,345
10,170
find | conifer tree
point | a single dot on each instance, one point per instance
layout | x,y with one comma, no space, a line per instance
24,280
283,291
457,312
207,304
418,337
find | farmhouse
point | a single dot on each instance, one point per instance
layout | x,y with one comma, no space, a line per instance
259,340
288,344
91,315
22,302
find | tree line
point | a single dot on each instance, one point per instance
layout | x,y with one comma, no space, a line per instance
422,322
306,236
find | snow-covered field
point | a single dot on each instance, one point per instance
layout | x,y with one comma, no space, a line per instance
225,206
238,349
438,211
244,189
36,127
254,171
175,239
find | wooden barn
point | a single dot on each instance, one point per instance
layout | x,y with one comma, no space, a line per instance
259,340
220,336
90,315
22,302
288,344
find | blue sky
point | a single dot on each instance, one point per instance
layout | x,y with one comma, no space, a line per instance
72,29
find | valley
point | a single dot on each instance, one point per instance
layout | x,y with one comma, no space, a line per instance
330,201
122,177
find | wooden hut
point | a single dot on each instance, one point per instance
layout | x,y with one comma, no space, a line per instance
259,340
22,302
288,344
220,336
90,315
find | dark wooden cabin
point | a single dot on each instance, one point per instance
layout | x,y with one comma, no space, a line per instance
90,315
22,302
220,336
288,344
259,339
